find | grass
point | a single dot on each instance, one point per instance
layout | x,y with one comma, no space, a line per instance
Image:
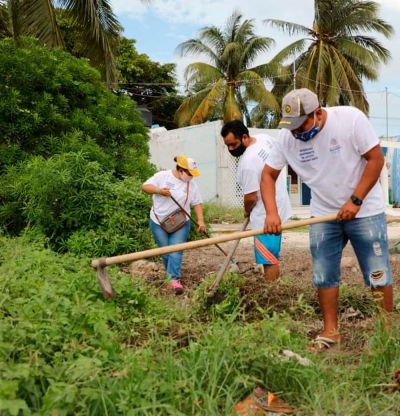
66,351
215,213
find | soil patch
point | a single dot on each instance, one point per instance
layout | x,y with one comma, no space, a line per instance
293,292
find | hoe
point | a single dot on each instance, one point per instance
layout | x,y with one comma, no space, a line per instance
100,264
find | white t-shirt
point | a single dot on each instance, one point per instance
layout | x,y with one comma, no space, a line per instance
250,167
331,163
163,205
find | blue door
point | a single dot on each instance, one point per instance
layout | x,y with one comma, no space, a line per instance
396,178
305,194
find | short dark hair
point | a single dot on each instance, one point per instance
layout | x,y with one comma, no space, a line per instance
236,127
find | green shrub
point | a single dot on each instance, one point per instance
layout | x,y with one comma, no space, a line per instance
76,204
48,95
66,145
124,223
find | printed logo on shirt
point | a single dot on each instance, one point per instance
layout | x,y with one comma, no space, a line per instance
307,154
334,146
263,155
170,185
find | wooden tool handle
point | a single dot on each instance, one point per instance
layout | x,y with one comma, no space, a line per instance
225,264
196,223
202,243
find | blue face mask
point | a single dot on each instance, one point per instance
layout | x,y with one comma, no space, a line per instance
305,136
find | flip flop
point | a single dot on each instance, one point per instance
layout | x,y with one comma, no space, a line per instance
321,344
261,402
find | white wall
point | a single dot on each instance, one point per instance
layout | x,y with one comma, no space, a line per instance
198,142
203,143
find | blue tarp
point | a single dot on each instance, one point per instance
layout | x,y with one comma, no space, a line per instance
396,178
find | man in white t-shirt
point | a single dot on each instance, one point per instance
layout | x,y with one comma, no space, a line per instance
337,154
253,151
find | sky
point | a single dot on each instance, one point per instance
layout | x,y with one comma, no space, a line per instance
160,27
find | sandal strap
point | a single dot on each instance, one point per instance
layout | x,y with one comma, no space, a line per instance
327,342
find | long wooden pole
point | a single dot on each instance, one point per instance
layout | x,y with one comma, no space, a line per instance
107,261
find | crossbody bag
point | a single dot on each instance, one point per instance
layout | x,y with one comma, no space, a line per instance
176,219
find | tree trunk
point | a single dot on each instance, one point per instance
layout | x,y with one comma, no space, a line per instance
243,108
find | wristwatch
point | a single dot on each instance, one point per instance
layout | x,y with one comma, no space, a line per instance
356,201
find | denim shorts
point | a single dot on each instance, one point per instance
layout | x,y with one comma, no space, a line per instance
367,235
267,248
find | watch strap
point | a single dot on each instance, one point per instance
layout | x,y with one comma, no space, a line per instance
355,200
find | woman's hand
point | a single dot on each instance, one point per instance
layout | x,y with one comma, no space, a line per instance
201,227
164,192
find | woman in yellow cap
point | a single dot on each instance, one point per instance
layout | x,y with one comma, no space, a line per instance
168,223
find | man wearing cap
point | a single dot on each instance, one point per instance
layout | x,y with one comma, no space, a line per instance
253,151
165,187
337,154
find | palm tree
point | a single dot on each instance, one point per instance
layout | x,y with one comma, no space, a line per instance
336,54
93,18
228,83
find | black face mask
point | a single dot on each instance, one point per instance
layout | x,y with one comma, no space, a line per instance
238,151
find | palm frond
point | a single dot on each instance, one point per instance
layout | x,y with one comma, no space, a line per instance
290,51
213,37
363,71
255,90
232,26
10,19
373,45
253,47
358,52
201,74
39,20
271,70
289,27
245,31
309,65
231,106
232,51
333,89
345,75
322,69
5,30
208,103
101,28
358,16
368,24
196,46
186,110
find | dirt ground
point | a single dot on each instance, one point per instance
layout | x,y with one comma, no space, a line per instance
295,261
293,292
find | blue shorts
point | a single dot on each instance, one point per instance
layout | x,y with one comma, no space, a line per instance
367,235
267,248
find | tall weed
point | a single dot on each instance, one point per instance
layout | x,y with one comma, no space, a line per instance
64,350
